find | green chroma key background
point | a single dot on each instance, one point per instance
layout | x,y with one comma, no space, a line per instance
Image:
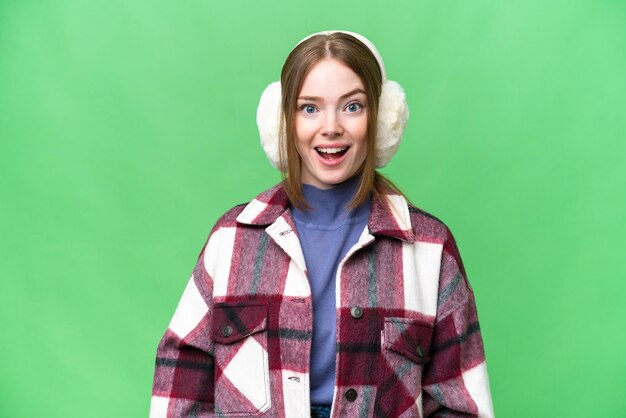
128,127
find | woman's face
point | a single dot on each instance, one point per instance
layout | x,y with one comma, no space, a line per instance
331,124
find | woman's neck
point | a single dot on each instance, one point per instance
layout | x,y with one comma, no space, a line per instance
330,205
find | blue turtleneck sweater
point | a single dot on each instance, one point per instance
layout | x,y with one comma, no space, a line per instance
327,232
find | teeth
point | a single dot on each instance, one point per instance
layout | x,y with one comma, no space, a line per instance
331,150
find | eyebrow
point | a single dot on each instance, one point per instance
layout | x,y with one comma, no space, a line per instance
319,99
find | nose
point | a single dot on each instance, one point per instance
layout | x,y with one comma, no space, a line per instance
332,126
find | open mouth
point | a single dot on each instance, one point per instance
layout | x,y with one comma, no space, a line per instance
331,153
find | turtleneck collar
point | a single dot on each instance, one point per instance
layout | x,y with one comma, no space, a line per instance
329,207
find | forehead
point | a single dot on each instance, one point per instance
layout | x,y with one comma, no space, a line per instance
330,76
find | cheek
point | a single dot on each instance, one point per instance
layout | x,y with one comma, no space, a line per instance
300,146
360,130
303,129
302,138
362,139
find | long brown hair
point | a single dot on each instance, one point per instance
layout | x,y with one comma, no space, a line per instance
356,56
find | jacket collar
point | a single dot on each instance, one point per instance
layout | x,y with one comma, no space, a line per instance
389,215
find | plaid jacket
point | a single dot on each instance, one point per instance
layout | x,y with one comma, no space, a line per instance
408,339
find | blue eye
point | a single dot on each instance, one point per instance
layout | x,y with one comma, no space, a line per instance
354,107
308,109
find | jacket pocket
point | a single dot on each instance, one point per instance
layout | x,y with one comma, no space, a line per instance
408,337
242,385
406,345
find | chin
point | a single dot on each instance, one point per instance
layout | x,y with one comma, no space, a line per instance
335,180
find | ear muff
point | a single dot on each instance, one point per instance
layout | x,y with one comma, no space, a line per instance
393,113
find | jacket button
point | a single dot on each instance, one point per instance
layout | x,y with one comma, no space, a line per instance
356,312
420,351
351,395
227,331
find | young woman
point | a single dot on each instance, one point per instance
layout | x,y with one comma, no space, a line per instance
329,294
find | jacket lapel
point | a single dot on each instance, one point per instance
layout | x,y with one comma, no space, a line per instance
389,217
271,209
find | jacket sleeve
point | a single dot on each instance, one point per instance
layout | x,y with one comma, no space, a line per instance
184,371
455,381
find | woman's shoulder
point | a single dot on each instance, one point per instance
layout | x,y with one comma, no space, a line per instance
261,210
229,218
423,225
429,228
424,222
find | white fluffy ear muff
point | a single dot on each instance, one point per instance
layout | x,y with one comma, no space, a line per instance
268,118
393,113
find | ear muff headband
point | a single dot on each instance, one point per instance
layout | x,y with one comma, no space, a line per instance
393,112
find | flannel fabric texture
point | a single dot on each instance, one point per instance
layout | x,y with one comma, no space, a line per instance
408,338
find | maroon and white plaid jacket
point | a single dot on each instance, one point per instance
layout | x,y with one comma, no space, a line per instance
408,339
